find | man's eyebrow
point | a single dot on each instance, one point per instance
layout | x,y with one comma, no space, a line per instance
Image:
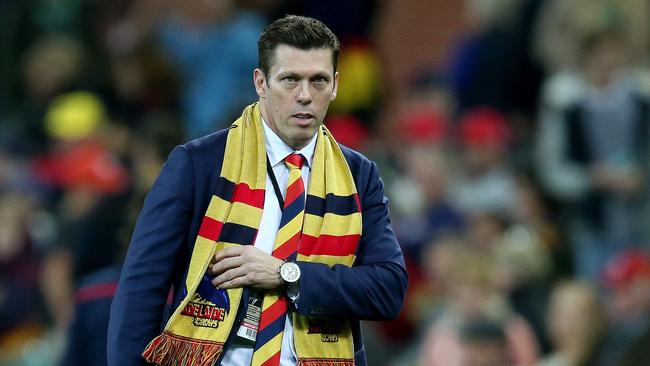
293,74
296,75
323,75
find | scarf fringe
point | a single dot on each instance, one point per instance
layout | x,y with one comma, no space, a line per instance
324,362
170,350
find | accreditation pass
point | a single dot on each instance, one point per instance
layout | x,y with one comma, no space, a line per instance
251,322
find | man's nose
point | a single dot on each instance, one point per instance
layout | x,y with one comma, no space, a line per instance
304,96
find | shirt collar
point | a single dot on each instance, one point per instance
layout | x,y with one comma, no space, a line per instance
277,149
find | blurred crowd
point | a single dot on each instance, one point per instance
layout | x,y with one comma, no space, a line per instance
517,163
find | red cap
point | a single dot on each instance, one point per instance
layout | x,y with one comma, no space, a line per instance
484,126
86,164
424,125
625,268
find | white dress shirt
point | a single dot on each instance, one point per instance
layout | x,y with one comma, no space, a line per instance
238,354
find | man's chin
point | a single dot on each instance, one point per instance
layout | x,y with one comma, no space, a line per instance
302,138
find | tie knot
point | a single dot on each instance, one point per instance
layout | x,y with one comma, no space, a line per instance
294,161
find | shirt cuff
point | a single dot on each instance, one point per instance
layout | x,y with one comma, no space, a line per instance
293,292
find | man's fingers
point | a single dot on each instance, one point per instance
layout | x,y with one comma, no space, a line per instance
228,276
245,266
232,251
224,265
236,282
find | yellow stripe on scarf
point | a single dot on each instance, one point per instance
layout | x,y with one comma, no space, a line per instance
332,224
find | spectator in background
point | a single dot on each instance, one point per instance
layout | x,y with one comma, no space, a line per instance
211,45
21,315
51,65
483,65
483,343
439,260
421,191
563,25
523,267
533,212
87,333
524,256
522,263
627,278
472,296
92,189
24,24
95,288
592,150
142,85
576,325
485,182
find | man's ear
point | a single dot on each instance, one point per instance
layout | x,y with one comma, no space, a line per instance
260,83
335,89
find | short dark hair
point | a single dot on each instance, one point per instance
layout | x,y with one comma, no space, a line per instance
296,31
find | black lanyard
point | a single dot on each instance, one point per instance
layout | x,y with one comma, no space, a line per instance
274,181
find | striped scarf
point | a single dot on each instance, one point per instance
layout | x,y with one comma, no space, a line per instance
197,331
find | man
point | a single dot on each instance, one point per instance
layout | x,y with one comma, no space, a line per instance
593,151
626,277
483,343
260,275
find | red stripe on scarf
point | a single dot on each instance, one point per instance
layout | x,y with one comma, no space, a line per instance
210,228
252,197
328,245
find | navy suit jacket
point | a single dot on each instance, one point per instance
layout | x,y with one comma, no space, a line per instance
163,239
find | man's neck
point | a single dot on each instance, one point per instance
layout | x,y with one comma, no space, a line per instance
277,149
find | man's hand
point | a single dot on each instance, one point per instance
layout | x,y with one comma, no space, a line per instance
245,265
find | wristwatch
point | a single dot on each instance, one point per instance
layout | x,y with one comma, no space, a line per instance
290,274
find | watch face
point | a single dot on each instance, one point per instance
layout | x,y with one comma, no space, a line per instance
290,272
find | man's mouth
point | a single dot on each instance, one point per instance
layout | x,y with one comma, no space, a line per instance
303,115
303,119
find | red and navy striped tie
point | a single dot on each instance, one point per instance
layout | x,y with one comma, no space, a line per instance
274,306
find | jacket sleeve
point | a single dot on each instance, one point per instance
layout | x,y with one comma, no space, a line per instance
161,229
375,286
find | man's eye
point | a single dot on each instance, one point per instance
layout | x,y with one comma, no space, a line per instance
320,80
289,79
